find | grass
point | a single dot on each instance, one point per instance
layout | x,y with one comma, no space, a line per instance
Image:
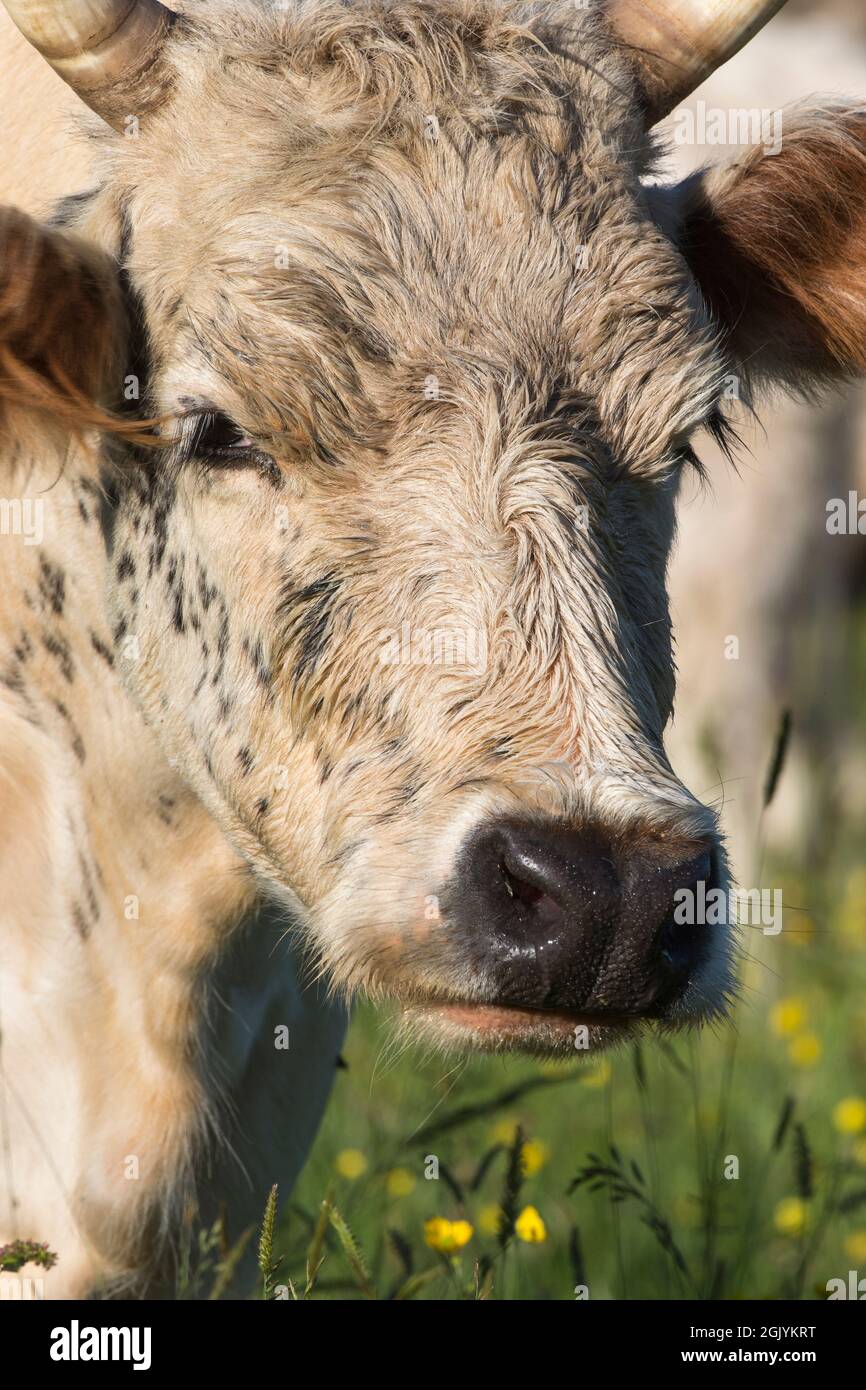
728,1164
627,1164
723,1165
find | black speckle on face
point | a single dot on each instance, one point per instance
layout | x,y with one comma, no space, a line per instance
255,653
23,650
12,679
207,592
58,647
125,567
101,648
262,806
153,502
92,902
69,209
52,586
308,614
222,643
76,741
176,594
80,922
225,707
352,709
177,612
246,759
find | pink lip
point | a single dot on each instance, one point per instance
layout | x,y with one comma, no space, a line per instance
498,1015
489,1022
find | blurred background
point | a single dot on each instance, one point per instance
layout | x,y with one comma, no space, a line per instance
730,1164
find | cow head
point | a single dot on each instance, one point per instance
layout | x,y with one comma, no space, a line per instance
430,355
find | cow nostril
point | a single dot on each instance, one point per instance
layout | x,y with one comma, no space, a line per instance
518,888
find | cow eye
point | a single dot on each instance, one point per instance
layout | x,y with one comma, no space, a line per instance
216,437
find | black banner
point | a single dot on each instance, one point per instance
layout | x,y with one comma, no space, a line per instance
86,1339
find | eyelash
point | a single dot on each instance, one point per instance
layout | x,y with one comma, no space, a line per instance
230,441
232,446
687,455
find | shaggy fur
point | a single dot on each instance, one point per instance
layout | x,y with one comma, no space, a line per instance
781,241
406,249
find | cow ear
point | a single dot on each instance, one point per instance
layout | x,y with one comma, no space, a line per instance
61,323
777,243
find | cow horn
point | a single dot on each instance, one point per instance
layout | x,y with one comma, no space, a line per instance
676,44
107,50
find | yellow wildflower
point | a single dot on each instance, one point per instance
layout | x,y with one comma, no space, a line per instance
437,1233
535,1155
790,1215
461,1233
849,1116
447,1236
805,1050
530,1227
351,1163
399,1182
788,1016
855,1246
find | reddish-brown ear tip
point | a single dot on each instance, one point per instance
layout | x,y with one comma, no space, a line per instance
777,243
62,331
61,325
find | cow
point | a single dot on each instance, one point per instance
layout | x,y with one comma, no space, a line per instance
343,422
